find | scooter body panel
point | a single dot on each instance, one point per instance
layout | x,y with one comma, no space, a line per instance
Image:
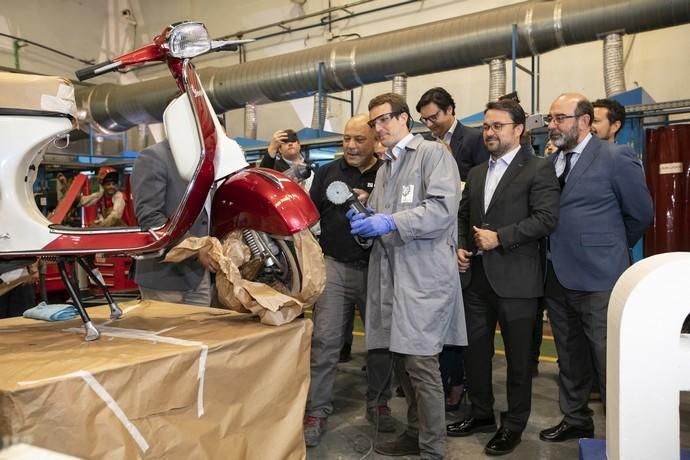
23,227
263,200
26,232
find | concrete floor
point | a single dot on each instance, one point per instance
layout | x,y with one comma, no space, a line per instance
350,436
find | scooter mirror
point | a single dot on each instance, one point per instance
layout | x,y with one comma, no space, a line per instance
188,39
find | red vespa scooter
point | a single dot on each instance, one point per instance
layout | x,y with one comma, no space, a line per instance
266,206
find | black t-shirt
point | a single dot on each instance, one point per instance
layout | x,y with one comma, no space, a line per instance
336,239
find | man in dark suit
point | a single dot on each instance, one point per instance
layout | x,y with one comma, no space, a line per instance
158,189
508,205
437,110
605,209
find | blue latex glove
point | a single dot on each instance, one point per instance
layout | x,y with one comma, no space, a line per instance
369,227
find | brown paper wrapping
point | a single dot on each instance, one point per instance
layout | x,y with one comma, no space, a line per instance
268,302
255,385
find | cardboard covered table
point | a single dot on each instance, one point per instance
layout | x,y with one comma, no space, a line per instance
166,381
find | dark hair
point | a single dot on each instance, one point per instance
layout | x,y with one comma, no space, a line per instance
615,110
397,102
515,110
584,107
438,96
111,177
291,135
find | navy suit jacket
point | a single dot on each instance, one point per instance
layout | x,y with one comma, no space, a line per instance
605,209
467,147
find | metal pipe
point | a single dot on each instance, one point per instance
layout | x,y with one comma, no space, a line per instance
400,85
318,116
435,47
334,20
614,74
250,121
497,78
282,24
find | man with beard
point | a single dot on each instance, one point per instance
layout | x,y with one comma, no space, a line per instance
605,208
509,204
609,118
437,110
346,286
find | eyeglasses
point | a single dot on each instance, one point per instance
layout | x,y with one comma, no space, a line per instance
495,127
430,118
383,119
558,119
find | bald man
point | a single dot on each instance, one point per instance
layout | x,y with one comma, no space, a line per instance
605,208
346,286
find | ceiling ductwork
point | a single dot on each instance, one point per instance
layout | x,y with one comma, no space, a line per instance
614,75
454,43
497,78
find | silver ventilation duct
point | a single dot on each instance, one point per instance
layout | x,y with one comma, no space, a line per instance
497,78
400,85
454,43
250,121
318,115
614,74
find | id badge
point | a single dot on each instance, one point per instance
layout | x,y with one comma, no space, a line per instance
407,194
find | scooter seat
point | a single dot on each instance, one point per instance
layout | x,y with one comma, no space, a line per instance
37,93
67,229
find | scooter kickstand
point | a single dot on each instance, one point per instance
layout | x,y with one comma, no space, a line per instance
90,331
92,271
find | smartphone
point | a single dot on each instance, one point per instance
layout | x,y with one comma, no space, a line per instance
535,121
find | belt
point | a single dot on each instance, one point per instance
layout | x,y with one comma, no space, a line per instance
359,264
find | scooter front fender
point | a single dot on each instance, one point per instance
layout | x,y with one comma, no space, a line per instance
264,200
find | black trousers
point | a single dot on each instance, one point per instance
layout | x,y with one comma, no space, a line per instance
17,301
517,318
578,321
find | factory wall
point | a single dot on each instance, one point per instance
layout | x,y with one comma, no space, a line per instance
97,29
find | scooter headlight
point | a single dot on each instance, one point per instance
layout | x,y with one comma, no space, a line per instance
188,39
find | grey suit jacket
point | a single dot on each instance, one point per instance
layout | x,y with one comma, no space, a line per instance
523,210
158,190
605,209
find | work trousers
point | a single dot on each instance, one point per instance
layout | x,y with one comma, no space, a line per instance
201,296
420,378
346,287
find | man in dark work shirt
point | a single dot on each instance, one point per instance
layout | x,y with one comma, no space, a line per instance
346,286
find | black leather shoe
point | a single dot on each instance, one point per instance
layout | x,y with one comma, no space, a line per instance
471,425
564,431
503,442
